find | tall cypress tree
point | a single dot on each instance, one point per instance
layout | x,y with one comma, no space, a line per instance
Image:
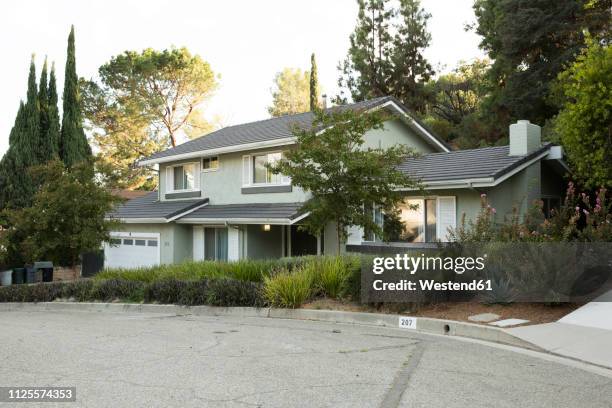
44,150
15,181
74,147
314,84
53,131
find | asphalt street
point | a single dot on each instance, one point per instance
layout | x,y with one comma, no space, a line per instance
157,360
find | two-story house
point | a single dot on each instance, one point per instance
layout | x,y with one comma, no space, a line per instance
217,199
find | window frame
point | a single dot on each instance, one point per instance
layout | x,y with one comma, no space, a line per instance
250,173
210,169
170,177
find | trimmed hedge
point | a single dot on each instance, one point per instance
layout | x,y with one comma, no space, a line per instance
214,292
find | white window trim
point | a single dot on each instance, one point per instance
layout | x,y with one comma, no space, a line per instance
211,169
170,178
424,217
285,181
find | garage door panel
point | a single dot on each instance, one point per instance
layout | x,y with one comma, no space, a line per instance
131,252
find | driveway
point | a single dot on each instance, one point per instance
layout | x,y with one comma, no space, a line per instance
164,360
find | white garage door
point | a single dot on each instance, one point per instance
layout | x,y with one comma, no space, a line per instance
131,250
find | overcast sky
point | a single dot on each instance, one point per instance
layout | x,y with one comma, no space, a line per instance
246,42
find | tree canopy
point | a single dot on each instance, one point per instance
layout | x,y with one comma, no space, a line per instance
142,103
530,43
584,123
66,219
385,56
290,93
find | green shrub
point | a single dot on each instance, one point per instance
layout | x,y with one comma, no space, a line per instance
77,290
166,291
44,292
230,292
112,289
289,289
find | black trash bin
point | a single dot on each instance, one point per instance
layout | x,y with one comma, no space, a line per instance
33,275
19,276
46,269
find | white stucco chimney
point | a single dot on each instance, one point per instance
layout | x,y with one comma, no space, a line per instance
525,137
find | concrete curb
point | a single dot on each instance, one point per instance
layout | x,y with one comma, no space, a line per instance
424,324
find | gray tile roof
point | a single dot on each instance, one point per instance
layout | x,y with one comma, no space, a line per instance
465,164
261,131
256,211
148,206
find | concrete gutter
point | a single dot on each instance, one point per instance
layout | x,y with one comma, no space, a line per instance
424,324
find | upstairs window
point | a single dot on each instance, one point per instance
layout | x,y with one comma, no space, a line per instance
261,173
255,171
210,163
183,177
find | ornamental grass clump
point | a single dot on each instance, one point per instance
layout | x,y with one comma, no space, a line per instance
289,289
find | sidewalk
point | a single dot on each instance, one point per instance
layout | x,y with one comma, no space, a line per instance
585,334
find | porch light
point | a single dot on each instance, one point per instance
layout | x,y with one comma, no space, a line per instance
266,227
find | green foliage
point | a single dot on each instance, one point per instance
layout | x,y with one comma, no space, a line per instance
66,218
73,145
214,292
16,185
245,270
578,219
143,102
331,162
584,123
52,137
314,84
381,63
291,92
289,289
332,275
454,108
530,43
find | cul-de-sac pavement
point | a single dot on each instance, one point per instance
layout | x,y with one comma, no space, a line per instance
159,360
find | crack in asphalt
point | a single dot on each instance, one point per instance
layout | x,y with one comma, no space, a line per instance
400,384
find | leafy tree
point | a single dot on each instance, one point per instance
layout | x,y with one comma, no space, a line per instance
73,144
454,108
164,86
381,63
343,176
314,84
122,135
530,43
67,217
585,120
291,92
142,103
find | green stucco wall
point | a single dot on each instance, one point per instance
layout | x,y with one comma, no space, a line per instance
396,132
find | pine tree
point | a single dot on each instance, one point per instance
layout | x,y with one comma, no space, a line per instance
381,63
53,131
74,147
314,84
366,70
411,71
